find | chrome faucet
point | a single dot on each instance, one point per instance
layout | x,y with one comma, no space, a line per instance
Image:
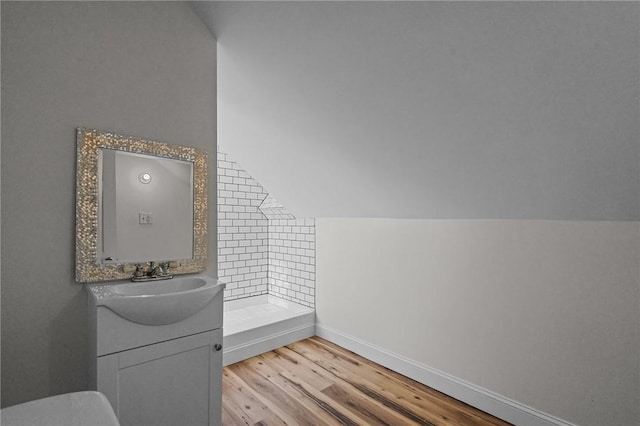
152,272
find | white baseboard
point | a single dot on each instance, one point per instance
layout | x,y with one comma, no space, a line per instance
476,396
266,343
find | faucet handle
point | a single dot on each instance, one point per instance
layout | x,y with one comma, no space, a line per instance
166,268
139,272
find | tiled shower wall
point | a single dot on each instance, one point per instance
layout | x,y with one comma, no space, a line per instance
242,232
262,249
292,260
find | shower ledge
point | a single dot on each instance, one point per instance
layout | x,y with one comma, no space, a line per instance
259,324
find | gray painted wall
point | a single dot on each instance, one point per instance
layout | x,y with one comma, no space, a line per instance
522,110
145,69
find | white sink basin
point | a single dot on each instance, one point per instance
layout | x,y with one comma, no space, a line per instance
157,302
151,288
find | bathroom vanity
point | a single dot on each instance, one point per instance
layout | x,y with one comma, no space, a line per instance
156,350
156,343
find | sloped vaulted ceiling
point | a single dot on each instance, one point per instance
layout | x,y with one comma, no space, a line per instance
434,109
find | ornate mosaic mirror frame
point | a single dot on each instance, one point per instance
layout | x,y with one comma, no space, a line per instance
89,143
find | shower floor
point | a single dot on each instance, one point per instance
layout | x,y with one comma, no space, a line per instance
259,324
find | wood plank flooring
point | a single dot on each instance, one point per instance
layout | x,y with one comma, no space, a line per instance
314,382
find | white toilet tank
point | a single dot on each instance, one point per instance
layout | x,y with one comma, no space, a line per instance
70,409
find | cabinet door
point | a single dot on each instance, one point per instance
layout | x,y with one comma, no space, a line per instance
178,382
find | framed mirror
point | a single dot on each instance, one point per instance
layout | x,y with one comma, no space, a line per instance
138,201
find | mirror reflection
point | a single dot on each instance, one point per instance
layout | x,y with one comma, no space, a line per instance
145,209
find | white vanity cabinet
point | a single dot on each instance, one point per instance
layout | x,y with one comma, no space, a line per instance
170,383
158,374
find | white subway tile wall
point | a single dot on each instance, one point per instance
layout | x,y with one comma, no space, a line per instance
292,260
242,231
262,249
